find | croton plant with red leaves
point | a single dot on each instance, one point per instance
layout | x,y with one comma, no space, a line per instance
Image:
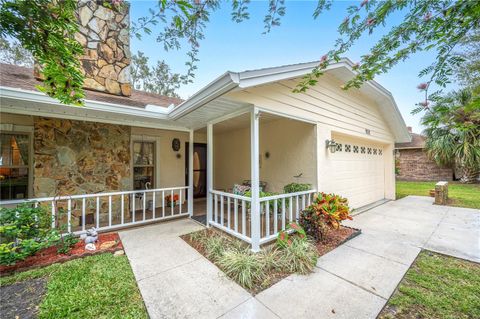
325,213
283,238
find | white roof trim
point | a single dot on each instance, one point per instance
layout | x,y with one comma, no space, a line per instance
34,96
246,79
223,84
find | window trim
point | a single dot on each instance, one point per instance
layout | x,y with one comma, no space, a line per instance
156,157
6,128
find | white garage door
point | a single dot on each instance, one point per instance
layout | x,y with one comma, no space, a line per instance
359,172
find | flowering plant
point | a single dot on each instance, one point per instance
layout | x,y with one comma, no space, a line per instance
169,199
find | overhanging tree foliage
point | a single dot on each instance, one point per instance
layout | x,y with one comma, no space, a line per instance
46,28
427,25
438,25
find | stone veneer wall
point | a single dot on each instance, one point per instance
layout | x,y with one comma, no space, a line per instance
414,165
74,157
104,33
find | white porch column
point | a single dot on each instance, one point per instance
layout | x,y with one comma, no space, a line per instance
323,167
190,173
255,180
209,172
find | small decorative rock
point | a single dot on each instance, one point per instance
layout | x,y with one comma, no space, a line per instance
90,247
119,253
108,244
90,236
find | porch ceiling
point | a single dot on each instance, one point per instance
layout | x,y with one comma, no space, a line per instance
210,111
240,122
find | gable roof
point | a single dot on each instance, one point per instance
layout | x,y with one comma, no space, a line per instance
418,141
17,83
22,78
250,78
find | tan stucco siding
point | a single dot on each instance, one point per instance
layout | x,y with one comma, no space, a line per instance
291,148
335,111
171,170
348,112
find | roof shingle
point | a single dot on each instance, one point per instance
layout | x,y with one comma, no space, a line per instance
418,141
22,78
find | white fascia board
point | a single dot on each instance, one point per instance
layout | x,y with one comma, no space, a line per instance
36,103
268,75
38,97
231,80
214,89
400,128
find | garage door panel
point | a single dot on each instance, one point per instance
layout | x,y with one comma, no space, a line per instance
360,177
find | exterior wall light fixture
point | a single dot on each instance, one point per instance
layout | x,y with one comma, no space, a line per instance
332,145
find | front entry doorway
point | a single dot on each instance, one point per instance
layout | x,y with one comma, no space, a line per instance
199,169
199,180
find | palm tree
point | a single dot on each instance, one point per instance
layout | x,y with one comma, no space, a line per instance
453,132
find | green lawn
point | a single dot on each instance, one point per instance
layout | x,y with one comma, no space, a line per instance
101,286
462,195
437,286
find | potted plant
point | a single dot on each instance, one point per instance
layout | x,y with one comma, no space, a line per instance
171,201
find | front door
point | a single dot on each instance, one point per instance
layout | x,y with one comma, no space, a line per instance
199,169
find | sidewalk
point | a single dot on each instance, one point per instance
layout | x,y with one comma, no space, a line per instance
353,281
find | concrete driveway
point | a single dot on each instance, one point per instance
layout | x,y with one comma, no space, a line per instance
353,281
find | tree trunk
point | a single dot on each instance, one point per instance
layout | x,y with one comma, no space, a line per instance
469,175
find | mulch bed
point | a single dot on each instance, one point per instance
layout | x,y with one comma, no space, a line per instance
50,256
273,276
336,238
333,240
21,300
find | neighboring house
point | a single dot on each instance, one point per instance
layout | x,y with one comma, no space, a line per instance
245,126
412,163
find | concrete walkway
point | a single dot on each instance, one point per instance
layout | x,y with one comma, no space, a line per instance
353,281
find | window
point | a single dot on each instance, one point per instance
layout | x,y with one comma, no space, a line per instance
355,148
369,150
348,148
338,148
362,149
143,165
14,165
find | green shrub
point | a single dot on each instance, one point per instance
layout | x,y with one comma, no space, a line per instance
300,256
296,187
215,247
271,203
271,258
242,266
65,243
326,212
24,230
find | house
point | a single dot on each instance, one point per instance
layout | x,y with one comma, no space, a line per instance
413,164
128,157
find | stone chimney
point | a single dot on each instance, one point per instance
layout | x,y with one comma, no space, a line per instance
409,128
104,35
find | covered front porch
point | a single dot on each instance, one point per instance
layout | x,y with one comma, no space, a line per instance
251,156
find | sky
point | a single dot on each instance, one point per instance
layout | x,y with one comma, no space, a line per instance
230,46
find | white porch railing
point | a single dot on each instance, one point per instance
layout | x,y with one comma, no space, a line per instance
229,213
278,211
108,211
232,214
